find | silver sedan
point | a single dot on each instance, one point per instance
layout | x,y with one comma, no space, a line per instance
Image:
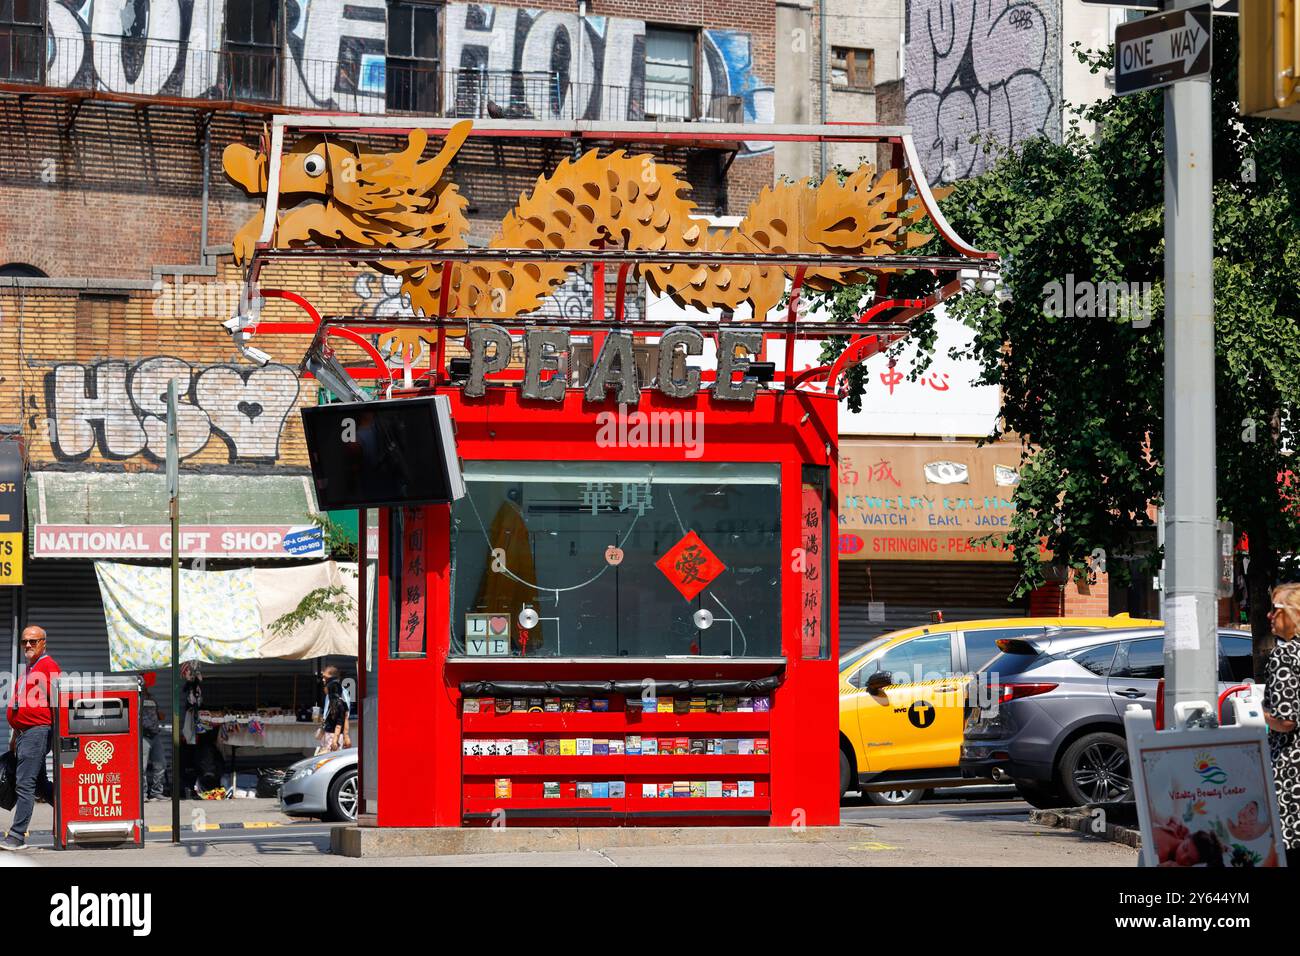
322,786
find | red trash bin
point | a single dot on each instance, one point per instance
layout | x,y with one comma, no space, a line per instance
98,772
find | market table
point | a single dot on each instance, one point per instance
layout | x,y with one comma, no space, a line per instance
280,732
275,733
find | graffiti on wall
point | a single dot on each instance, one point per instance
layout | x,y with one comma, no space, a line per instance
527,61
350,33
333,56
120,408
550,64
980,71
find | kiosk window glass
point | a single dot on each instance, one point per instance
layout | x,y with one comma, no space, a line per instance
616,558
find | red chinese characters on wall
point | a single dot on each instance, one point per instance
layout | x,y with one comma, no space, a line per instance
881,471
891,378
411,625
810,593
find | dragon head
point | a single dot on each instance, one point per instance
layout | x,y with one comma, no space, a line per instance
387,199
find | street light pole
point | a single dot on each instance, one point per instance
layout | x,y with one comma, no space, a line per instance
1191,501
174,513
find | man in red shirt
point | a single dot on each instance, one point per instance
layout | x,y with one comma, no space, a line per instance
32,721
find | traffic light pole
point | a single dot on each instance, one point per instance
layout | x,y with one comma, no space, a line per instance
1191,501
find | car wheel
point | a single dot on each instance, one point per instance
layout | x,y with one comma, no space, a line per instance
895,798
845,773
1040,796
1095,769
344,797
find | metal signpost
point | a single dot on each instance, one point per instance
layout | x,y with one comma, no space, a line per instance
1173,50
174,513
1224,771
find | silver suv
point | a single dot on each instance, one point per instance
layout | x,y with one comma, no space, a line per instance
1053,714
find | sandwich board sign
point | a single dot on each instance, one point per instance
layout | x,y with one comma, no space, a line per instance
1204,797
1162,49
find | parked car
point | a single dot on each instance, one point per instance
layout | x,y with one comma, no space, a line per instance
1055,723
903,701
324,786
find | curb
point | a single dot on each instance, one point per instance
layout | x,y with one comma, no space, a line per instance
376,842
1084,820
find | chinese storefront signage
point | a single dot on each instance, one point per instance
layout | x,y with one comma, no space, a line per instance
411,623
926,501
812,585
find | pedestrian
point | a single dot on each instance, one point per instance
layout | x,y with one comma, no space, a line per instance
334,713
153,754
31,721
1281,710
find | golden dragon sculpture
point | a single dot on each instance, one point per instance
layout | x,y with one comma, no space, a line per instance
334,195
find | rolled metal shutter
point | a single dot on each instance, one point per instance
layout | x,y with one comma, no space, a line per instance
911,590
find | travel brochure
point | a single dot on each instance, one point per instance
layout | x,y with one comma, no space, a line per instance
617,789
612,746
710,704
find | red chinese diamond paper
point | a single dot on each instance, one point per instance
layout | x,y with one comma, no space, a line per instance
690,565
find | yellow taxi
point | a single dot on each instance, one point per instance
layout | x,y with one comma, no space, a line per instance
904,697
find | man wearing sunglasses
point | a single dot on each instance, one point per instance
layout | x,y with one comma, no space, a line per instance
31,721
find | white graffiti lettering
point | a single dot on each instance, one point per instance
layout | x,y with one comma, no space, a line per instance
121,408
977,72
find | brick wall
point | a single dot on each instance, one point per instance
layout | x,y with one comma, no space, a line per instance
89,372
1074,599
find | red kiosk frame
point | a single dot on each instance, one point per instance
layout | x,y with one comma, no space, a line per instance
433,692
797,778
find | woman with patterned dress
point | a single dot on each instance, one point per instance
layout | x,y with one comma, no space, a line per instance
1281,710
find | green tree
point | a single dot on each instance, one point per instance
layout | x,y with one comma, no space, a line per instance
330,601
1085,393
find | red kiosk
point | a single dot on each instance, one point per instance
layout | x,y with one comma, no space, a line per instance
631,615
619,552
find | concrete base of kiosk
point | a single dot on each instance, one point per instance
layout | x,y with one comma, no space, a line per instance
364,841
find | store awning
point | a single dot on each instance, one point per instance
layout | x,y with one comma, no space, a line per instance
225,615
115,515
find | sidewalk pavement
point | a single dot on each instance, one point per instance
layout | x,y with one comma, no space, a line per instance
941,841
249,813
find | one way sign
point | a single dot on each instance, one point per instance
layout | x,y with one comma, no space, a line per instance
1163,49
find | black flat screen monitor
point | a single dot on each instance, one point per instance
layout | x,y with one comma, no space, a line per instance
382,454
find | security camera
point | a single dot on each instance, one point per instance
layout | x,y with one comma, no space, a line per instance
255,355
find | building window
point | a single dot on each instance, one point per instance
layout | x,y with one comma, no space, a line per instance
22,40
669,73
853,68
20,270
253,49
412,67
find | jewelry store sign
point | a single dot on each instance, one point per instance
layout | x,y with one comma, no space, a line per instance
926,500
